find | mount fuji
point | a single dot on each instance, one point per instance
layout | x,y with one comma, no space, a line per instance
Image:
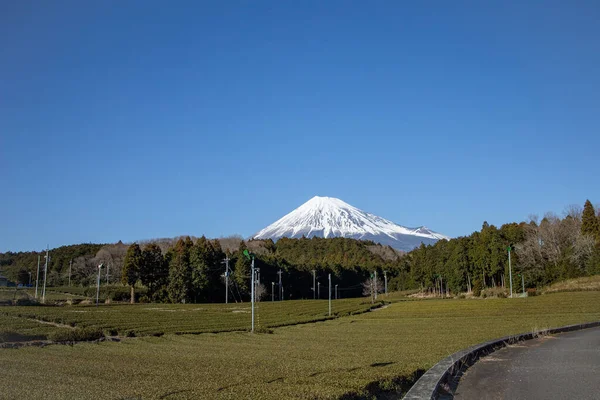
329,217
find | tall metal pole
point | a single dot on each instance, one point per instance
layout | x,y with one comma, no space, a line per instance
226,262
329,294
314,284
70,266
98,285
37,279
272,291
280,285
45,275
319,290
252,294
385,279
375,284
510,272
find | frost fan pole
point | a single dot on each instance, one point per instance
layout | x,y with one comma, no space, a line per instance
226,262
280,285
45,275
385,278
509,248
37,280
98,284
329,294
375,284
250,256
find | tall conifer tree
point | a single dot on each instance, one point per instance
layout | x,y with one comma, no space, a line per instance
131,268
589,221
180,276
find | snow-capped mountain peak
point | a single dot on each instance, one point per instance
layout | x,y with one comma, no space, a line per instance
331,217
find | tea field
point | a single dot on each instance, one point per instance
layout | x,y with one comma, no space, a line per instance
158,319
356,356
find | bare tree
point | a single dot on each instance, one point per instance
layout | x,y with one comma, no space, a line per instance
574,211
260,291
230,244
371,286
554,241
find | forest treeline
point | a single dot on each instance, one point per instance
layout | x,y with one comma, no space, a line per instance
542,251
189,269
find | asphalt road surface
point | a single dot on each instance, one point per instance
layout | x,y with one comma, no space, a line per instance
565,366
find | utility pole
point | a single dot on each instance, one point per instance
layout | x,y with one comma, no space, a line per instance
272,291
257,281
319,290
314,285
226,262
329,294
250,256
70,266
510,271
375,284
336,291
385,279
280,285
45,274
253,291
37,279
98,285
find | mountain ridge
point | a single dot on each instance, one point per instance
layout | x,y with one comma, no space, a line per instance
331,217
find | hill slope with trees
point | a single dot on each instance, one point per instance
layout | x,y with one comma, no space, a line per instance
190,269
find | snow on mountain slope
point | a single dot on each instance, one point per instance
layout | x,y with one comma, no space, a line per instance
330,217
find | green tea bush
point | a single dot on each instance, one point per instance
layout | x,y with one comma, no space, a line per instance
76,335
25,301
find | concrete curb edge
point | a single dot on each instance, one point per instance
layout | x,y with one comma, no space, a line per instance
437,380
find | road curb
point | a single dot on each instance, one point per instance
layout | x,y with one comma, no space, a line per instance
436,382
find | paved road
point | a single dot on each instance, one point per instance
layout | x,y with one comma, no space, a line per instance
565,366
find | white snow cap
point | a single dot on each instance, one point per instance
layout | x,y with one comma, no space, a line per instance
330,217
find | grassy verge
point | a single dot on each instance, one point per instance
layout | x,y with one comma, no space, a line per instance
574,285
354,357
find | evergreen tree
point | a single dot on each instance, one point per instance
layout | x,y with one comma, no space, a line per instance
200,265
589,222
216,275
154,271
180,274
131,268
241,274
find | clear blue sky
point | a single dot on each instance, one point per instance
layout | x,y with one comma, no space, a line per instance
143,119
